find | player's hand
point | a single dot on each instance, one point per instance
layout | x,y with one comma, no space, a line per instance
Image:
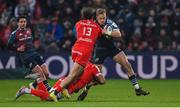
103,31
21,48
106,32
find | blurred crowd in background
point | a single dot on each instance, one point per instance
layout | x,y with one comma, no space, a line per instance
146,25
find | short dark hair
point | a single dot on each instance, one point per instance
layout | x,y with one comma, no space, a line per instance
100,11
22,16
87,13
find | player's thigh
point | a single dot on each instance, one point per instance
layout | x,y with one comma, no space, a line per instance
82,58
37,69
39,59
76,70
41,63
30,63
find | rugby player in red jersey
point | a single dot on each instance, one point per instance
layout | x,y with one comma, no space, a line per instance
87,33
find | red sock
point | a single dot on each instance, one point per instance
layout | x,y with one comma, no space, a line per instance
42,87
58,88
57,83
40,93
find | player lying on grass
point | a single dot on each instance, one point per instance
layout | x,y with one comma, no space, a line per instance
92,73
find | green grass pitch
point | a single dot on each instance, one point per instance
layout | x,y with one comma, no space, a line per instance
115,93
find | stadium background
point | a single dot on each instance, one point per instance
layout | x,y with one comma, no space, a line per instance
151,39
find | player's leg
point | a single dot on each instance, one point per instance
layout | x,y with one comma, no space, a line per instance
75,72
121,58
80,60
57,83
40,92
42,77
98,59
45,70
36,92
35,68
84,93
44,95
98,78
40,62
85,78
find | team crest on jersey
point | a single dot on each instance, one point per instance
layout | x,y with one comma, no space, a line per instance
20,34
28,32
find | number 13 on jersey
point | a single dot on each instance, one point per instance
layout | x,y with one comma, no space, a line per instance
87,31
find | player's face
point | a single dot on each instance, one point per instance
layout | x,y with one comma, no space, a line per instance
22,23
101,18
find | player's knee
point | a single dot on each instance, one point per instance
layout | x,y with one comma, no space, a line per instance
46,74
41,74
45,71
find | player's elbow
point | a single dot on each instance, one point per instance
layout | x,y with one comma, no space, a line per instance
116,34
120,35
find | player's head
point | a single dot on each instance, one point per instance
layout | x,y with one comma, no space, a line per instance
87,13
22,22
101,16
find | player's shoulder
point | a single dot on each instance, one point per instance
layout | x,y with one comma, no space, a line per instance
78,22
109,21
87,23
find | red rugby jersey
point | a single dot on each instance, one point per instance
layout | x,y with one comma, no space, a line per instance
87,32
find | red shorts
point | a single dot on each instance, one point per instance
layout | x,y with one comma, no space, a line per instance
81,57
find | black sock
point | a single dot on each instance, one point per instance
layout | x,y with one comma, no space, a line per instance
133,80
55,92
48,87
34,84
88,86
